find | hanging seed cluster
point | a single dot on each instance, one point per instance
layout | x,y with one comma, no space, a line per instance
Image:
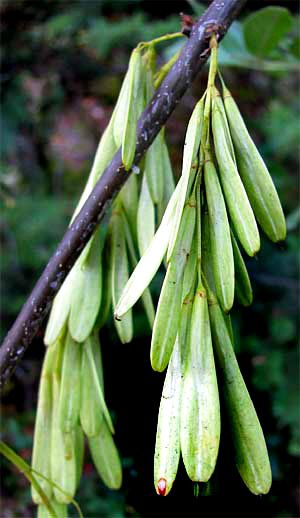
71,402
198,227
225,189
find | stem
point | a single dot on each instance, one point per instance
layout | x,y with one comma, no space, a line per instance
26,470
165,37
163,71
210,84
194,54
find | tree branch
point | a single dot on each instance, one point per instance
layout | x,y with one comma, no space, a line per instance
217,18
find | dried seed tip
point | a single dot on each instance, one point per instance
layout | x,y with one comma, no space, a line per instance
162,487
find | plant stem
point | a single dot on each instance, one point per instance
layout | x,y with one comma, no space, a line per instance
24,468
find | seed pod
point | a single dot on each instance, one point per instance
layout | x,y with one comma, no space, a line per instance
120,111
96,348
251,454
79,449
87,290
106,296
145,218
243,290
130,122
192,142
98,386
149,262
190,269
200,409
106,458
221,248
154,169
153,157
105,151
63,460
69,398
206,255
166,319
130,201
167,446
93,408
60,510
120,275
233,189
42,430
169,184
146,296
168,310
219,103
60,310
255,175
91,415
184,330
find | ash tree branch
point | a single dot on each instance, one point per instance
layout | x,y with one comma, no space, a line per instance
217,18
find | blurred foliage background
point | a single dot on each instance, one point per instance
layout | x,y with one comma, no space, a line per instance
62,65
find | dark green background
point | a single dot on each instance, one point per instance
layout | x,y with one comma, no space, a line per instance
62,66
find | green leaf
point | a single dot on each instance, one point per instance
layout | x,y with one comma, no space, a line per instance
264,29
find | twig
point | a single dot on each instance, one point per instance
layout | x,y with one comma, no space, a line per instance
217,19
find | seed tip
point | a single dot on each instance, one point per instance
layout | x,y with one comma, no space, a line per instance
162,487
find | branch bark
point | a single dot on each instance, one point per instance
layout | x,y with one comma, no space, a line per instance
217,18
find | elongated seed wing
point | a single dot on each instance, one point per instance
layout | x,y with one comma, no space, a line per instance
63,460
200,409
91,414
87,291
106,458
60,310
169,183
190,269
154,169
184,330
251,455
221,248
106,297
219,103
149,262
168,310
145,218
119,113
130,123
79,448
243,289
166,319
206,256
69,395
41,457
96,348
255,175
130,200
60,509
153,158
192,142
62,302
167,445
168,178
98,387
236,198
120,276
105,151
